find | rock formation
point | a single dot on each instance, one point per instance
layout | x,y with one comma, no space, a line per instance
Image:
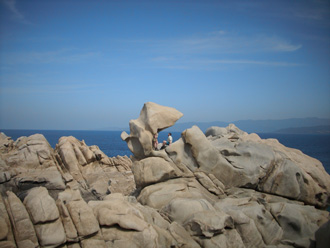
224,188
153,119
44,191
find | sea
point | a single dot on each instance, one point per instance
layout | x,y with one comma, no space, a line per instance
314,145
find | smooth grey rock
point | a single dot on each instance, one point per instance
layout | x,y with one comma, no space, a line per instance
270,167
160,194
299,222
24,233
209,160
211,183
3,228
83,218
91,243
181,209
69,228
41,206
6,233
7,244
152,170
51,233
229,239
247,229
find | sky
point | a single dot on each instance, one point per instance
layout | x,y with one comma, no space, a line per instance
88,65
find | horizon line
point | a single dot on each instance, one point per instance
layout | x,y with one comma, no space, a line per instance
186,122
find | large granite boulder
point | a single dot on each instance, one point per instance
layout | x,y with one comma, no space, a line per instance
45,217
152,170
28,162
6,233
126,223
23,228
92,169
238,159
153,119
270,167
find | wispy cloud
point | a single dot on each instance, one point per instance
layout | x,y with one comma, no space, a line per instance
49,88
162,59
315,11
64,56
250,62
235,43
215,64
211,50
218,32
218,42
15,13
265,43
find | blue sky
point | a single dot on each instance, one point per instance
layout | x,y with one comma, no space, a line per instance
93,64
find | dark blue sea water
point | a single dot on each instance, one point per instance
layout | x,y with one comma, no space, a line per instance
314,145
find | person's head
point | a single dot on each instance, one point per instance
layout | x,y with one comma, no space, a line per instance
169,134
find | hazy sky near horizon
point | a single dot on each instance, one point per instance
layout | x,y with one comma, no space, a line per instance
93,64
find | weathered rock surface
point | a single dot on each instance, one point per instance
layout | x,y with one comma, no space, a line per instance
224,188
153,119
33,180
280,210
31,162
23,229
270,167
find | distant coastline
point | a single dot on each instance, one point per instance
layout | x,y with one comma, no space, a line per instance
261,126
311,125
306,130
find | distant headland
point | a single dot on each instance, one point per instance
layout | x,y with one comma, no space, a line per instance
294,125
306,130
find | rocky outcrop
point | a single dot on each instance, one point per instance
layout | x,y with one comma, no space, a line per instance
92,169
153,119
116,221
245,160
31,162
224,188
227,188
45,191
27,162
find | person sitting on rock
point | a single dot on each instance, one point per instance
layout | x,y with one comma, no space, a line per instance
164,145
155,141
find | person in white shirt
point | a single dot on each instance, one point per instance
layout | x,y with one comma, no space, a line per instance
169,139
